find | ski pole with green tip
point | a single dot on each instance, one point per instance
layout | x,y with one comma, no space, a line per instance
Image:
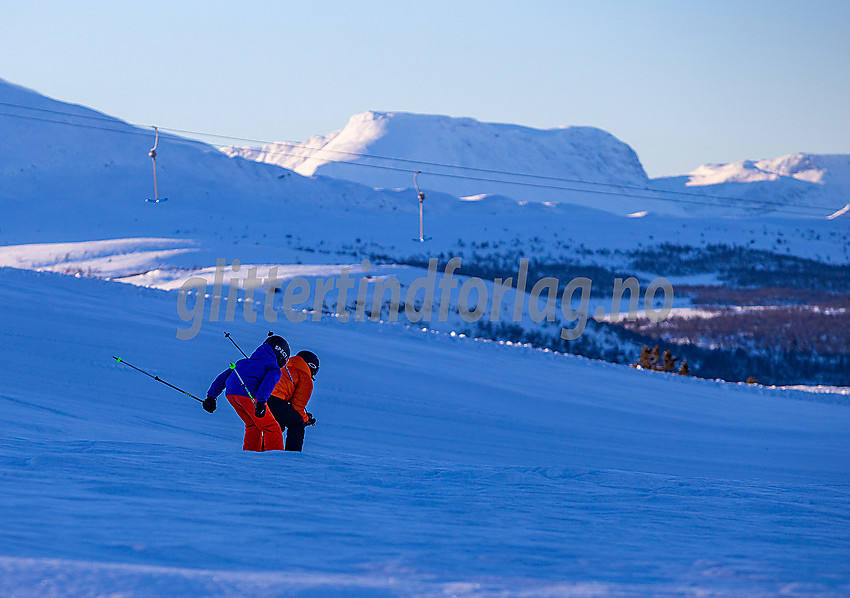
242,382
158,379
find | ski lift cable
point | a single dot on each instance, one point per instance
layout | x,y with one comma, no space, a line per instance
314,150
730,201
63,113
787,208
561,188
419,162
79,125
757,203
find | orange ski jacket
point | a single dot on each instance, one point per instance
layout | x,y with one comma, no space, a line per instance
295,385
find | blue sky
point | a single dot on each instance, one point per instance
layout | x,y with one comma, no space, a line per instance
682,82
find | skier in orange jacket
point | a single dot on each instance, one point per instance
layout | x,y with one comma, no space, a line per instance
290,396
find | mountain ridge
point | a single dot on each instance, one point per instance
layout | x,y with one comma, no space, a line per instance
60,152
464,157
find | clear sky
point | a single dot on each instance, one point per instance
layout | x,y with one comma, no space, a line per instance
683,82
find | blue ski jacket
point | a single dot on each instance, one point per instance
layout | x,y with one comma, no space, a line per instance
260,373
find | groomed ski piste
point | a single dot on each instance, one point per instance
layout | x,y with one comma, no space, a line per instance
439,466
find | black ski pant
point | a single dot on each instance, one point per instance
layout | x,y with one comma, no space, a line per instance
289,419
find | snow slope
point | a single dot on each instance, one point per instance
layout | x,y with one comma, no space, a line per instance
54,149
519,473
72,177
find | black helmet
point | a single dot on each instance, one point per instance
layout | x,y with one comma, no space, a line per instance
280,347
311,360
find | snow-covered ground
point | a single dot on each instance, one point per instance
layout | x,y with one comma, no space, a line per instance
440,466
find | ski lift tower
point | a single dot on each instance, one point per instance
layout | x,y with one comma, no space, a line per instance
422,238
156,198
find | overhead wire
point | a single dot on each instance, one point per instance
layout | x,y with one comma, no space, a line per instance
478,169
536,185
80,125
758,203
653,194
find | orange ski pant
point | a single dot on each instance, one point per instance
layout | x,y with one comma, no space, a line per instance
261,433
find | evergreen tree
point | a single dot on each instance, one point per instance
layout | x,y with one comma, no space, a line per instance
668,362
651,359
646,360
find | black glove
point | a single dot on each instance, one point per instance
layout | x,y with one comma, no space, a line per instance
311,421
209,404
260,410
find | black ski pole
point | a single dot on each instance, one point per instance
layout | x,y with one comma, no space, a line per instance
157,378
233,365
228,337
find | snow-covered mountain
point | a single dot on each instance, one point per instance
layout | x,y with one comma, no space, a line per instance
461,156
794,180
583,153
464,157
58,156
68,173
822,169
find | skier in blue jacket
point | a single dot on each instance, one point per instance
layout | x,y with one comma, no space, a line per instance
247,388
